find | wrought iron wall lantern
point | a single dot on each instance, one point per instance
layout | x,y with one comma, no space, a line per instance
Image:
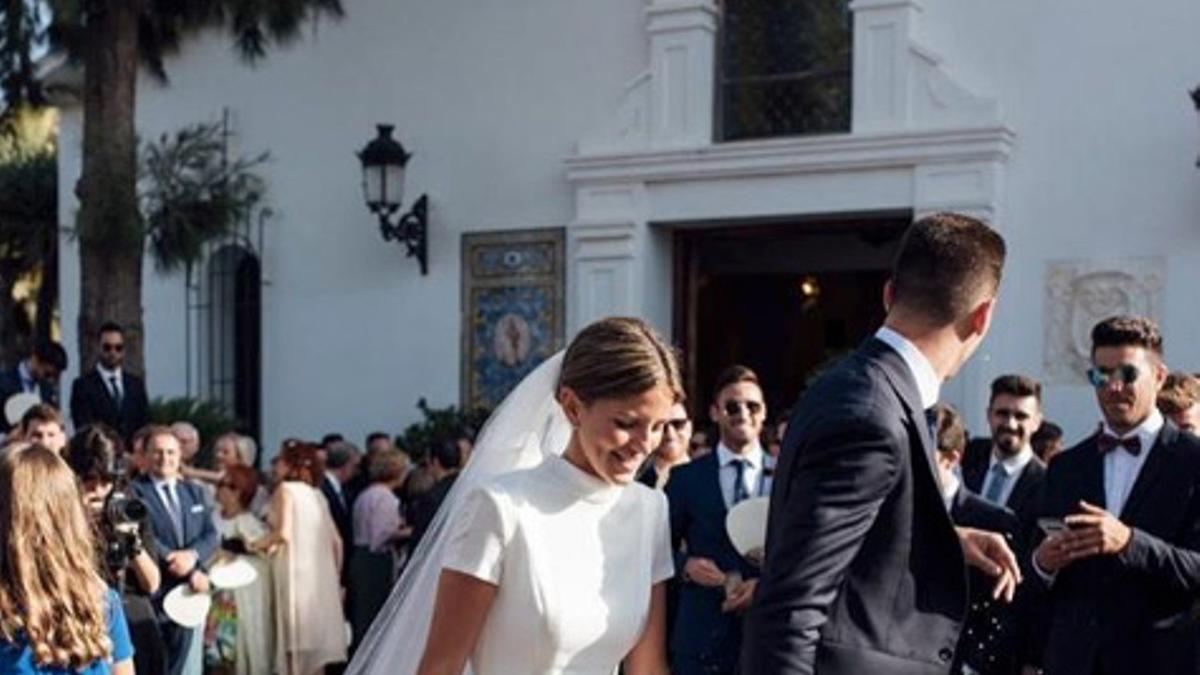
383,161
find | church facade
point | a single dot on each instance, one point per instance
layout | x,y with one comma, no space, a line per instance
736,173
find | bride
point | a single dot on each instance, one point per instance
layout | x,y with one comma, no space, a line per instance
546,557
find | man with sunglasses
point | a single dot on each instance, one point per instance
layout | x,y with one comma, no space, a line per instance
108,394
717,583
1121,511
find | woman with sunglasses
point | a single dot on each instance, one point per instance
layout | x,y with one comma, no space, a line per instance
238,639
673,451
56,614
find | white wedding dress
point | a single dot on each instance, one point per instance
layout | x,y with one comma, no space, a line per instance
574,558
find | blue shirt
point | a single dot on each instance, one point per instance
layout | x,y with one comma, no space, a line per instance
16,658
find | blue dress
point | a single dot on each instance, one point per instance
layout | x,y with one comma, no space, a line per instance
16,658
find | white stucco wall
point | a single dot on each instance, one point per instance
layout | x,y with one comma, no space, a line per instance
492,96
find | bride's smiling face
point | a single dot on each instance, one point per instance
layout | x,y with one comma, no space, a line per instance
613,436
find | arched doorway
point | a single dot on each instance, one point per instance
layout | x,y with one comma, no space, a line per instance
228,330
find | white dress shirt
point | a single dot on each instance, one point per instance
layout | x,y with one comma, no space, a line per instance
950,484
337,488
757,484
111,376
929,385
28,383
1012,467
174,507
1121,469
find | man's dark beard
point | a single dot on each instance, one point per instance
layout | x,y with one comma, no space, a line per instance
1004,439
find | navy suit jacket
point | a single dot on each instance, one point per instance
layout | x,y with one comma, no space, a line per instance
992,638
864,572
1026,496
91,402
698,522
199,530
1130,612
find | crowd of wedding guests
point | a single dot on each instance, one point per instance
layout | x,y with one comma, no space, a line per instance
329,527
1107,530
327,531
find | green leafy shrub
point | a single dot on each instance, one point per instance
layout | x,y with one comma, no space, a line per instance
440,425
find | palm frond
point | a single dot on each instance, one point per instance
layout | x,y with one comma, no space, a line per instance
192,194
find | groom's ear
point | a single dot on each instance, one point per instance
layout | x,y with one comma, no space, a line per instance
571,404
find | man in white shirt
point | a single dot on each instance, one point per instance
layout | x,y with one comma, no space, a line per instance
108,393
37,374
1004,470
181,523
1122,562
717,584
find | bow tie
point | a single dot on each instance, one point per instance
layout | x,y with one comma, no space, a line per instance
1107,443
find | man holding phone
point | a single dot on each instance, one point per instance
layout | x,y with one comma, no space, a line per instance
1123,568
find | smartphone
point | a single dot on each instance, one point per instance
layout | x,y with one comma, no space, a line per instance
1051,526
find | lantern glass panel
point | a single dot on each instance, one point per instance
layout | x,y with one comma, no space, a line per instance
373,177
393,186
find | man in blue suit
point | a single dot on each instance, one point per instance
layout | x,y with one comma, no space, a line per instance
717,582
37,374
181,521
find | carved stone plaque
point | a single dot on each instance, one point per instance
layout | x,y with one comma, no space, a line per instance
1081,293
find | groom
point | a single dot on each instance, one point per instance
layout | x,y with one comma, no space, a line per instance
864,571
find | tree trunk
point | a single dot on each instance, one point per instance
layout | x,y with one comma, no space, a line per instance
10,336
110,229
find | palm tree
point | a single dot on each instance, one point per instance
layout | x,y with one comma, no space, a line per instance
28,225
111,39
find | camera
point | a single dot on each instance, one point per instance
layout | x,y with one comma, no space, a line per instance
121,519
121,508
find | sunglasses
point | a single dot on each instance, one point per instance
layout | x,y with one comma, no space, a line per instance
110,347
734,407
1125,374
679,424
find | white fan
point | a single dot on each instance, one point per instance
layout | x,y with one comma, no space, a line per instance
187,607
233,573
17,405
746,524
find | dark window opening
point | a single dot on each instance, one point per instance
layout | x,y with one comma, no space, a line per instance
784,68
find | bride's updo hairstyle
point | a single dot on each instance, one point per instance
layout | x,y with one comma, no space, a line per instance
618,357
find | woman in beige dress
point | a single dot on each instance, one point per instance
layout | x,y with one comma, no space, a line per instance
306,554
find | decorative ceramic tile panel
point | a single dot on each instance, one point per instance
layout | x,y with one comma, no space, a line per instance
513,309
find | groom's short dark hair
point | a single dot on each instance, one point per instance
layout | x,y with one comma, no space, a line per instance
946,265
